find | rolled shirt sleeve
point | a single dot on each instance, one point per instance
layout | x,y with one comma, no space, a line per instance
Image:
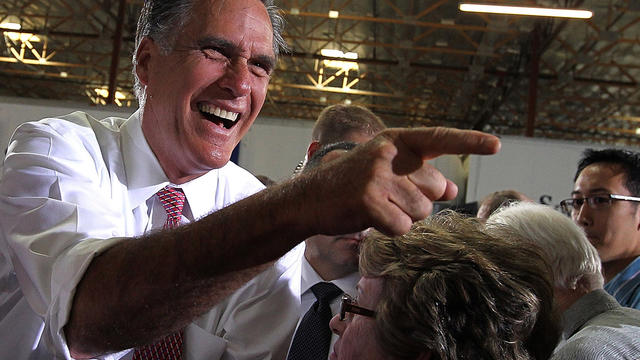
57,212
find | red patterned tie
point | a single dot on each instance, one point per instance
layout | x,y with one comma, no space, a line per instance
170,347
172,200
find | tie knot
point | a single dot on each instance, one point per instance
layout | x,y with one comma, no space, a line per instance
172,200
325,292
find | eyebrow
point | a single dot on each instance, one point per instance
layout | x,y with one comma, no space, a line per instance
597,190
215,41
229,48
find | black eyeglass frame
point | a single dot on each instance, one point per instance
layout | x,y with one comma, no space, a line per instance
347,306
567,204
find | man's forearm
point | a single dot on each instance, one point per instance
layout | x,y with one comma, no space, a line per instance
144,288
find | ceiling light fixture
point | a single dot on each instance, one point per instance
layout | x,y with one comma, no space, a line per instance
522,10
337,64
10,26
334,14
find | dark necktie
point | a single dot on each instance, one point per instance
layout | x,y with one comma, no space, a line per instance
170,347
313,337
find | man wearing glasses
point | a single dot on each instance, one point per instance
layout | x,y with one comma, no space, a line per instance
604,202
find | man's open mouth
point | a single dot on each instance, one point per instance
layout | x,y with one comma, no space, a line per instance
218,115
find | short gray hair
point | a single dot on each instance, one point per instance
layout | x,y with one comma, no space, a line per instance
162,19
570,254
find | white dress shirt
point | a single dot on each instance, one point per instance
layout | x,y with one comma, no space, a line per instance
72,187
258,321
309,278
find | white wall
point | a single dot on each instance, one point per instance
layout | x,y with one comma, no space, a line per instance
535,167
273,147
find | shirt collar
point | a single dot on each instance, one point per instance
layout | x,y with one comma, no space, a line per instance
584,309
144,173
310,277
145,176
632,270
201,191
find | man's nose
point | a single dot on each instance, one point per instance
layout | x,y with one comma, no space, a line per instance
337,326
582,215
237,78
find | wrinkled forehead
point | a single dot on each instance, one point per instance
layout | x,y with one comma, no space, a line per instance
244,20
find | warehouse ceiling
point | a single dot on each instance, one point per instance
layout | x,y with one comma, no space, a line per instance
419,63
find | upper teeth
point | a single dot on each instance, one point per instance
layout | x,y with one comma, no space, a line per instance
210,109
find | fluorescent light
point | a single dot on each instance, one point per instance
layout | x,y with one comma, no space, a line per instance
521,10
334,14
331,53
10,26
346,65
637,131
24,37
338,54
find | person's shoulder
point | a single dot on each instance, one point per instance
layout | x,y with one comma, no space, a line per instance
626,286
77,122
580,348
608,335
620,317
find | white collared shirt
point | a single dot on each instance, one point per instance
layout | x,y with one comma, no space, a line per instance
309,278
258,321
72,187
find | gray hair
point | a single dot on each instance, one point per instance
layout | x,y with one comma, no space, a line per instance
161,19
571,255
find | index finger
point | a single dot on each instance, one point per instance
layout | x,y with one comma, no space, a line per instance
435,141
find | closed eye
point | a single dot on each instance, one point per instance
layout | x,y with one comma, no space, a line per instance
213,53
261,69
264,64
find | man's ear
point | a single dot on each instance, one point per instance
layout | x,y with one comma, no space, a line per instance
146,50
313,147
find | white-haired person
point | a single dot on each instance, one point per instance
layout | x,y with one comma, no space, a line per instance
595,326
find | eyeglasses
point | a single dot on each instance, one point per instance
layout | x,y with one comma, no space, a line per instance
347,305
595,202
